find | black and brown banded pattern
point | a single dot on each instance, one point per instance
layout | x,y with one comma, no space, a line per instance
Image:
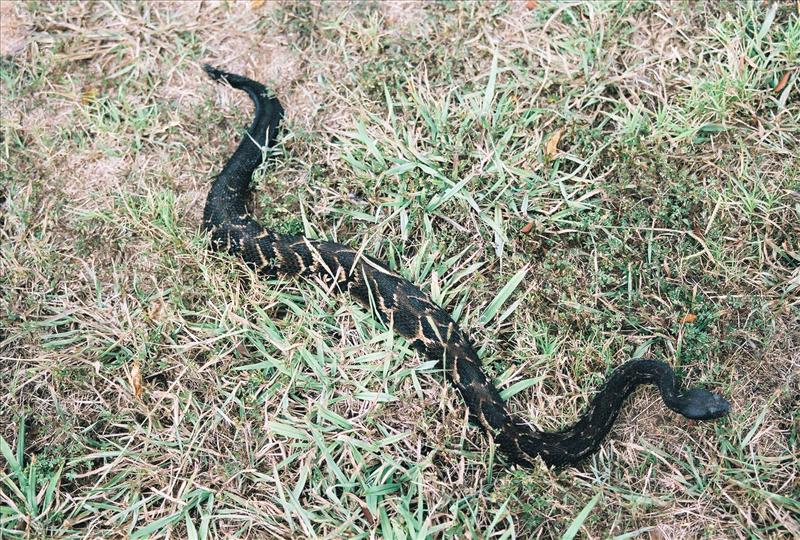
405,308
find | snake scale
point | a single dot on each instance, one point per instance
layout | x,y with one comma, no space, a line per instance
404,307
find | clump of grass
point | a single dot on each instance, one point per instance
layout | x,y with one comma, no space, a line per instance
576,183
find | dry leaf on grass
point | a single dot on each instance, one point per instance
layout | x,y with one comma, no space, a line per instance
689,318
551,148
157,309
89,96
782,83
136,379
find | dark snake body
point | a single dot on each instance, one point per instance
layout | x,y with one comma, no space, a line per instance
404,307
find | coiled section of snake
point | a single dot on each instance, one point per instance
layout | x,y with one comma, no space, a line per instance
404,307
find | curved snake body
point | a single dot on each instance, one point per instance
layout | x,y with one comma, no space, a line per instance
403,306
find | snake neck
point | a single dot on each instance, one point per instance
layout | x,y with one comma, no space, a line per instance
571,445
225,205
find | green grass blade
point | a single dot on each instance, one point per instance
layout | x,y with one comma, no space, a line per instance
504,294
577,523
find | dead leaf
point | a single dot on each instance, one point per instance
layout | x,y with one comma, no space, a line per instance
782,83
88,96
156,311
527,228
551,148
136,379
255,4
364,508
689,318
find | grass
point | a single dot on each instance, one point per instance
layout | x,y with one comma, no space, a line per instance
577,183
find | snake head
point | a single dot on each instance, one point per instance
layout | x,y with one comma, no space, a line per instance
699,404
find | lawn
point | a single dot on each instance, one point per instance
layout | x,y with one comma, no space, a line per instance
577,183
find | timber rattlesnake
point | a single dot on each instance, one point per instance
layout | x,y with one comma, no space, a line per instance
403,306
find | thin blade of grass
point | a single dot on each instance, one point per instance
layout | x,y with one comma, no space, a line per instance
504,294
576,524
488,96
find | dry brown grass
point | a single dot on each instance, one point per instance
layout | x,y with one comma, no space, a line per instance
266,409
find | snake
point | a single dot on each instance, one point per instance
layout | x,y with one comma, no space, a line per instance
403,307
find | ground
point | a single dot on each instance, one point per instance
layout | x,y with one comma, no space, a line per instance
577,183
